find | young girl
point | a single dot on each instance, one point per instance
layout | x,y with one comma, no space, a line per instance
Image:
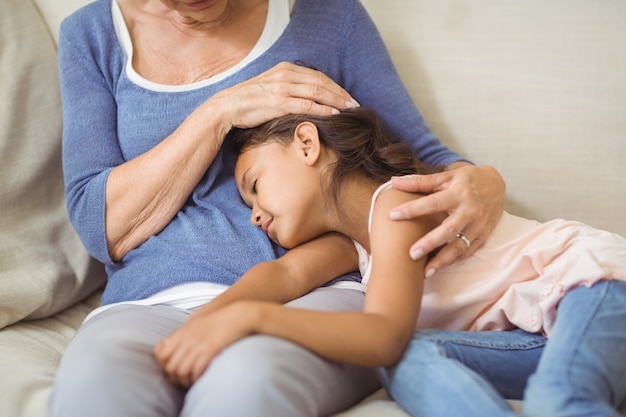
305,177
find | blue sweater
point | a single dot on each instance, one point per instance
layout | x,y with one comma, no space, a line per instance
108,120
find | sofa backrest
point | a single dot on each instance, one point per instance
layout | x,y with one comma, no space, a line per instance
44,267
534,88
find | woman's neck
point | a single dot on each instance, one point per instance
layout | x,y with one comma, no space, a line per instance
352,218
173,48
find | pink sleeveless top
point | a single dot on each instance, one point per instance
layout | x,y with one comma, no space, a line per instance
518,277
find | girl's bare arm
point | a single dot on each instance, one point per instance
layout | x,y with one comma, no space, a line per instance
379,334
187,351
374,337
296,273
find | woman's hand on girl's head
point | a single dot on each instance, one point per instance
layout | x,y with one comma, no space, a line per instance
284,89
472,196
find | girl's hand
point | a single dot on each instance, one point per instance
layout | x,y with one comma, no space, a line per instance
283,89
472,196
186,353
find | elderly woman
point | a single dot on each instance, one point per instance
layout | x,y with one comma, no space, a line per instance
150,90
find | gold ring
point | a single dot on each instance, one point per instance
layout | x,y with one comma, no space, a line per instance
464,239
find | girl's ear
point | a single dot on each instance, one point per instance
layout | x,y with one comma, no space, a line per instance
307,142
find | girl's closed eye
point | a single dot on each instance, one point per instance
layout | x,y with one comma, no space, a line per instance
254,187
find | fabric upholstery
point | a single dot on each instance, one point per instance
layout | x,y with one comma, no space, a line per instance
30,353
43,265
534,88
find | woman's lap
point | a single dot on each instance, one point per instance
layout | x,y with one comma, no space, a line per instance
108,369
280,378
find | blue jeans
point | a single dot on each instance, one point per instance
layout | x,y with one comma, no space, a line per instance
579,371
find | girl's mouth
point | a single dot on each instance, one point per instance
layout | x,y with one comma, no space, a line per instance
266,226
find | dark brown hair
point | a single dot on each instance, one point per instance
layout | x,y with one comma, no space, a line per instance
355,136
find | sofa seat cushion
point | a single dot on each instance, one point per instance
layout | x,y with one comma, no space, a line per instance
31,351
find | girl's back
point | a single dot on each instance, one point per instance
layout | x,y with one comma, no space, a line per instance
518,277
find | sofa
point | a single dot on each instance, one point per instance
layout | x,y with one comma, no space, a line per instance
534,88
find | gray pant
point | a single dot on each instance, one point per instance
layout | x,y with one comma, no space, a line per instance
108,370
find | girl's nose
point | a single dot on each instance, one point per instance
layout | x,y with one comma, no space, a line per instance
255,219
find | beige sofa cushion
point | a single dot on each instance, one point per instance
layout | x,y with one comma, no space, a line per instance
30,354
43,265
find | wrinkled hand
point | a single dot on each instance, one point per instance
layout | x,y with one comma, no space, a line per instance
283,89
186,353
472,196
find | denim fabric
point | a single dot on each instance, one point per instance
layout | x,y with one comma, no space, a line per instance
582,371
579,371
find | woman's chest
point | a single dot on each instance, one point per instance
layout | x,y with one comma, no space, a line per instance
173,48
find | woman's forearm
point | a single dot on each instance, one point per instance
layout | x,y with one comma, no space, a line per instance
144,194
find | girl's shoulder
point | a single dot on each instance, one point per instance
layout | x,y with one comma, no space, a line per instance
386,194
387,198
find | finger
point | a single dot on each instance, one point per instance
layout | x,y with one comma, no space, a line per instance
276,101
421,183
277,93
178,368
456,249
296,105
439,202
171,355
311,97
199,367
186,370
438,237
194,364
288,80
453,251
162,351
309,76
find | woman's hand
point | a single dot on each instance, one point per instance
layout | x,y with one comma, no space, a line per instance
186,353
283,89
472,196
